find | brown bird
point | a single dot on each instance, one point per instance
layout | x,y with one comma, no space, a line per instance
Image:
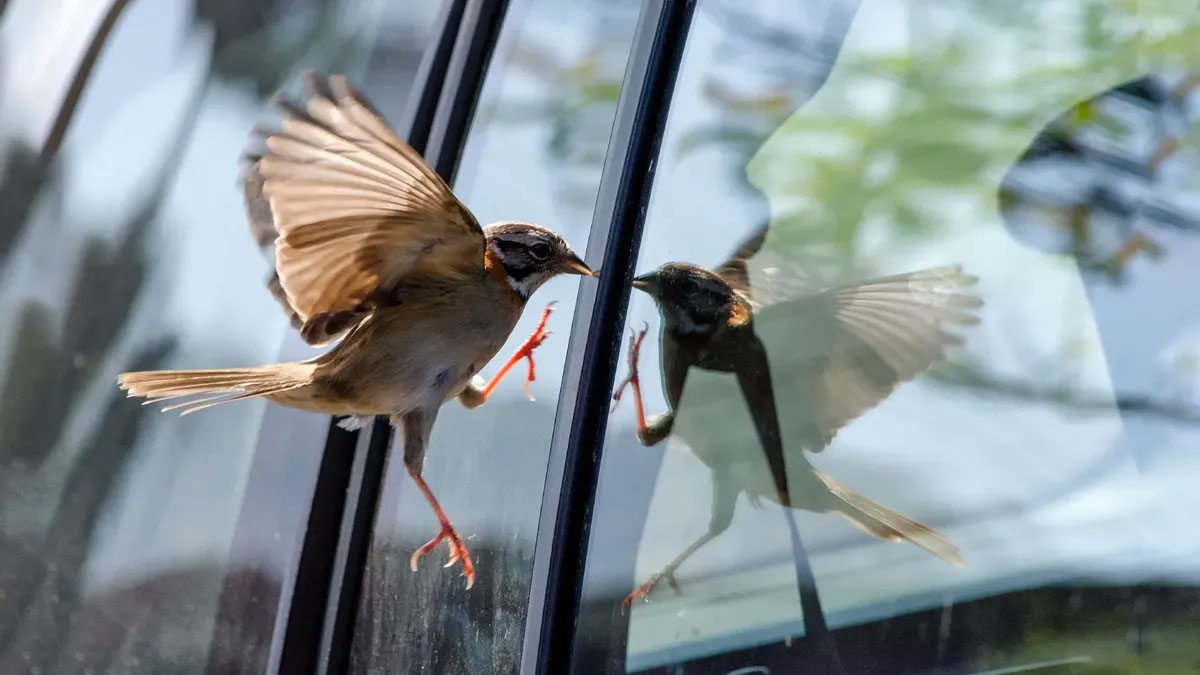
838,353
372,245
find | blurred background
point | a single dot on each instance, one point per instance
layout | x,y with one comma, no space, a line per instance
123,246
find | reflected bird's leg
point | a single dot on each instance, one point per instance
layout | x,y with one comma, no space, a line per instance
724,501
474,395
657,427
416,434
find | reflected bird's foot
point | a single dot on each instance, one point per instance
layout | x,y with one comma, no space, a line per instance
458,552
644,590
633,380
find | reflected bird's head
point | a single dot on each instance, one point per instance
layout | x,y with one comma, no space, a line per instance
532,255
691,298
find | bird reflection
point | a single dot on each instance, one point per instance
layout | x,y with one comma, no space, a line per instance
849,348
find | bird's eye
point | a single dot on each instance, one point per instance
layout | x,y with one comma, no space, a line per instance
540,251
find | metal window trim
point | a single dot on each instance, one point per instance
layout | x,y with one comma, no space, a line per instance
592,353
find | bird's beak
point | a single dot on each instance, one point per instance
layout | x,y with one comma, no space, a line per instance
647,282
573,265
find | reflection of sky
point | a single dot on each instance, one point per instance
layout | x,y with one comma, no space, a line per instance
1030,492
181,495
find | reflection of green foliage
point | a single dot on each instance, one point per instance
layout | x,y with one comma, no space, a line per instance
949,128
1169,647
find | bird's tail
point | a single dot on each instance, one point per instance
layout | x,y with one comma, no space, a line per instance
880,521
201,389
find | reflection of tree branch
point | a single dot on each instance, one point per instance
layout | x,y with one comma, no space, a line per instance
1081,402
66,112
26,174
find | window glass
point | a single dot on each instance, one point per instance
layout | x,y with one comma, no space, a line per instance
1030,413
123,246
534,153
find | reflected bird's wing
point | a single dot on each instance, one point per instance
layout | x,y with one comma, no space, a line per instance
840,352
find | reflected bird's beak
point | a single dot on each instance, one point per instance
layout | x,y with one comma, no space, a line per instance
646,282
573,265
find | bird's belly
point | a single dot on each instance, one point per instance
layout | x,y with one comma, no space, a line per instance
406,363
714,421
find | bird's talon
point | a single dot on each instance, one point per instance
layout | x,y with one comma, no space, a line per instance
641,592
458,552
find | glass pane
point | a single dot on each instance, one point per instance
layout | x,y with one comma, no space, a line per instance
123,246
534,153
1040,158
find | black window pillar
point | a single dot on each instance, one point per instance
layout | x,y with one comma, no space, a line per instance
592,355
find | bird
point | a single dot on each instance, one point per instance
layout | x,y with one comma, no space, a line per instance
374,251
848,347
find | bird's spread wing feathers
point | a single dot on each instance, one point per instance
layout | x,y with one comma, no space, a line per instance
761,277
356,209
848,347
735,271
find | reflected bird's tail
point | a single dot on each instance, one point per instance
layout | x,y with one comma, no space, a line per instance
880,521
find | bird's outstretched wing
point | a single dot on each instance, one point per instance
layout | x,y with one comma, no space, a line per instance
262,229
352,209
735,271
761,277
839,352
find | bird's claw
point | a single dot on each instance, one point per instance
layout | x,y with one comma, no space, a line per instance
525,351
642,591
458,552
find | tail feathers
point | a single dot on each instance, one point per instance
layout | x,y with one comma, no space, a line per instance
880,521
206,388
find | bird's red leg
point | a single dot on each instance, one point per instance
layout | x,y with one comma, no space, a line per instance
633,381
458,550
525,351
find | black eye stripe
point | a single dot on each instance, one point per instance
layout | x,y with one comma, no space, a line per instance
509,245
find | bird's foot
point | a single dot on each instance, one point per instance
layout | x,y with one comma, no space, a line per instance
354,422
535,340
635,349
642,591
458,552
525,351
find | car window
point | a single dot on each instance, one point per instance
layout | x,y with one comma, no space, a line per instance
124,536
534,153
930,259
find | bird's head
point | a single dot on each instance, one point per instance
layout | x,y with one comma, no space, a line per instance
532,255
691,298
